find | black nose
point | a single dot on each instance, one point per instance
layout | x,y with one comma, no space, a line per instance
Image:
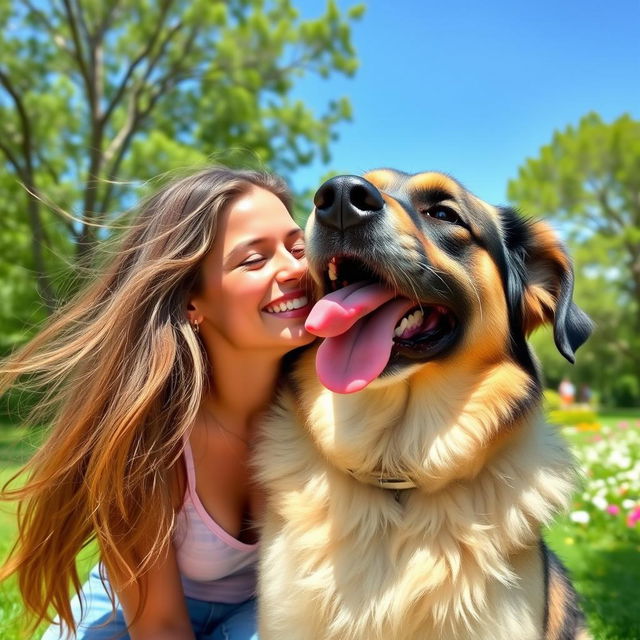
346,201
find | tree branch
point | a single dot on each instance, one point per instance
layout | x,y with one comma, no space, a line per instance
79,49
6,82
161,50
12,159
107,17
134,64
62,215
27,173
121,143
603,200
134,111
40,15
50,170
86,32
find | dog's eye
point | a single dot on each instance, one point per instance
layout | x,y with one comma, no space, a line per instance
446,214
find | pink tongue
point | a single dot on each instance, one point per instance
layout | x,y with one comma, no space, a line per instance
357,346
338,311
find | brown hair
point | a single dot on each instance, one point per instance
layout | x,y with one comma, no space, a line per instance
122,375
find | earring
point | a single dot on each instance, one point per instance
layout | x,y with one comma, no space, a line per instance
196,328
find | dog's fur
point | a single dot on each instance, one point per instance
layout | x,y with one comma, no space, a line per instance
459,556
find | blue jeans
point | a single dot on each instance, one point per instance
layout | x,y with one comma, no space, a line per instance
210,620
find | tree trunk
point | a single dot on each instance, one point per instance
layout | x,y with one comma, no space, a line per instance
86,241
45,287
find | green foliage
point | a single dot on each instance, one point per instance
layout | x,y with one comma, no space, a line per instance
599,538
625,391
96,98
551,400
587,182
573,416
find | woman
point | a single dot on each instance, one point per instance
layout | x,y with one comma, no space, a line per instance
158,374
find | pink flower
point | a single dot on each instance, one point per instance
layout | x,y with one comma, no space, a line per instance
633,517
613,509
623,424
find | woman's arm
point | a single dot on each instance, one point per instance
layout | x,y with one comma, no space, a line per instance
165,615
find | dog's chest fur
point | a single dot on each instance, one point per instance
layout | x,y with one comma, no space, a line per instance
347,561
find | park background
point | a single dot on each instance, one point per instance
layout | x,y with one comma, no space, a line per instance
531,105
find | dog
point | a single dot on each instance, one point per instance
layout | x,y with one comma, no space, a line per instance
408,467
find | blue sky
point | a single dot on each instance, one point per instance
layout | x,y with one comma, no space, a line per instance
474,88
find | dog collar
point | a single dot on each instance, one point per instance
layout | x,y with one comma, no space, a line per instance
395,484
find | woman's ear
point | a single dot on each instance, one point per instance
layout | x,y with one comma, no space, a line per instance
194,315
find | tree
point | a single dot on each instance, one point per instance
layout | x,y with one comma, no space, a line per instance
94,95
587,180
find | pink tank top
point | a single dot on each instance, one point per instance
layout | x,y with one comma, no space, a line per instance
214,566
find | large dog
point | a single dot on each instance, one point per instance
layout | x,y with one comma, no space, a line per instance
409,478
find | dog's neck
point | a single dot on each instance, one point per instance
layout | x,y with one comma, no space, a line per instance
392,437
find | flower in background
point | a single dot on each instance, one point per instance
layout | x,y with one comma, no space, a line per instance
600,502
582,517
610,498
633,517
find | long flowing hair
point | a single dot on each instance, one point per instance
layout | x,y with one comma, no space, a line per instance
122,375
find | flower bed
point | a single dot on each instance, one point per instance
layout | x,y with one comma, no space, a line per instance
610,459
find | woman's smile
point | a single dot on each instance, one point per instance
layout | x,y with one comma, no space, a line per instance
295,304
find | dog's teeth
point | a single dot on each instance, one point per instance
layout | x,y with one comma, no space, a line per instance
409,323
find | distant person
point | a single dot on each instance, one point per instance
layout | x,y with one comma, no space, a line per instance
567,391
159,373
585,395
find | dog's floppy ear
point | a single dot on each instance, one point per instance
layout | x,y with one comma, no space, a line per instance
540,282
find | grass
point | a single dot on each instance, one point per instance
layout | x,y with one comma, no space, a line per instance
15,448
603,559
603,556
10,605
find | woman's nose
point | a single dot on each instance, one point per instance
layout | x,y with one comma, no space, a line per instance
290,267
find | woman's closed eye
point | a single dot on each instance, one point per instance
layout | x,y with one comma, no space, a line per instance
253,261
297,251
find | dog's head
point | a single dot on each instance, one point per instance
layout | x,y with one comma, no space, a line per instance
419,270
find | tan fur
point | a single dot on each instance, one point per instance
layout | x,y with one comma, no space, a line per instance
457,557
433,180
382,178
557,603
382,552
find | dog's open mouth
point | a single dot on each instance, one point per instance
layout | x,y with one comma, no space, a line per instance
367,322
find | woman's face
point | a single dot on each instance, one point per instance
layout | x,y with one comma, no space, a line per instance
254,292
